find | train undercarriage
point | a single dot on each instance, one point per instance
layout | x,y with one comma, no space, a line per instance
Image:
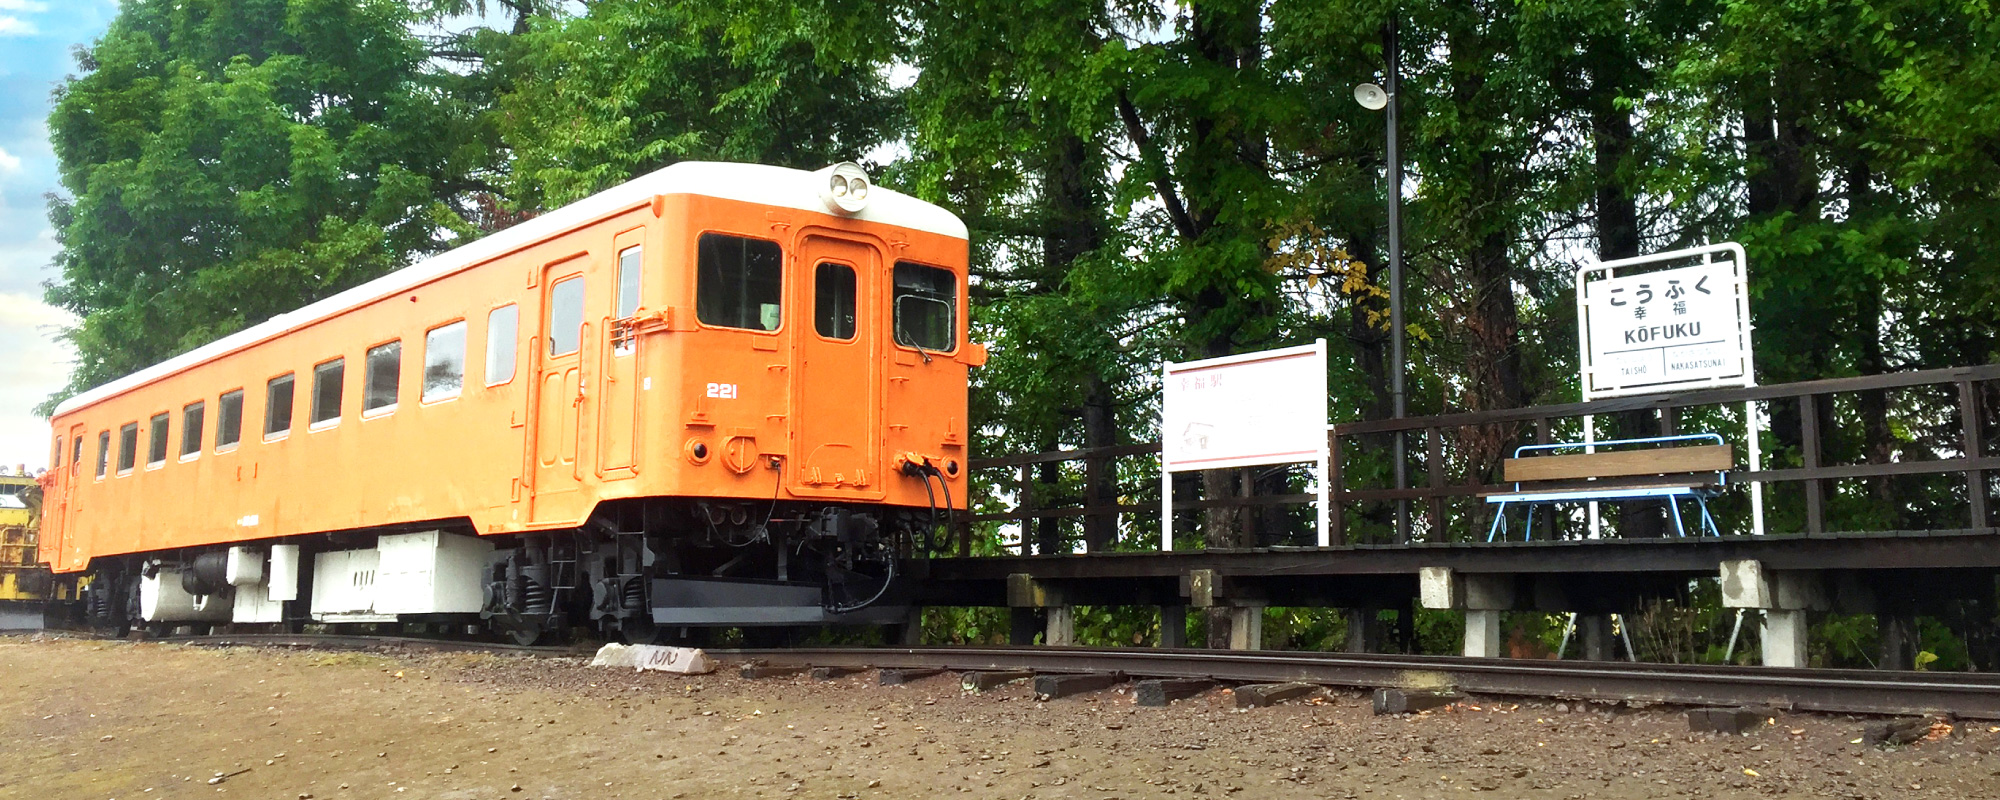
645,571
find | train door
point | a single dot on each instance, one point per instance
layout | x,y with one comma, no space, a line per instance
836,448
561,396
618,398
59,511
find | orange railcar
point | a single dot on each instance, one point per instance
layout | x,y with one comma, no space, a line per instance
719,394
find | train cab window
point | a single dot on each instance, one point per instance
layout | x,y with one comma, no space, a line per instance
628,282
55,455
128,447
833,300
75,455
228,420
501,328
385,373
327,380
739,282
278,407
156,444
926,300
191,424
103,452
444,362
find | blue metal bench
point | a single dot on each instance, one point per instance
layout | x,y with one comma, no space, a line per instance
1657,468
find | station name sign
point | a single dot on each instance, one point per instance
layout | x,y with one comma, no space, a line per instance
1663,330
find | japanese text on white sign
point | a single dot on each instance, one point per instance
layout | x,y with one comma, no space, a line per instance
1658,330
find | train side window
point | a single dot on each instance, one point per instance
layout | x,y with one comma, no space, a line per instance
191,425
228,420
385,373
55,455
156,446
925,304
739,282
628,282
327,380
103,453
566,316
833,300
444,361
278,407
501,328
128,447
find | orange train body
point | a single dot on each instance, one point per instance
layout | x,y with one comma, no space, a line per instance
726,335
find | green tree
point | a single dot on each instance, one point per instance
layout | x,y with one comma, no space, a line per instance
228,160
630,86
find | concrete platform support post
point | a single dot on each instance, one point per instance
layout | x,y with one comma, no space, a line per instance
1482,596
1784,637
1173,626
1246,628
1595,641
1364,630
1482,633
1040,601
1061,627
1784,597
1239,609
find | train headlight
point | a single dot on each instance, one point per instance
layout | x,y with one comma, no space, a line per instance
844,188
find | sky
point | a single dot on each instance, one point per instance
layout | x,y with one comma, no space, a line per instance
35,41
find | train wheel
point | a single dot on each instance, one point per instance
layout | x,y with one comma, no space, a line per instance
639,630
522,630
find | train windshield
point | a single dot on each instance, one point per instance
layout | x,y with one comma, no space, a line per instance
926,298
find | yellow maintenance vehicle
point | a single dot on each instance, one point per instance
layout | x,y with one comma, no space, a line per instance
24,582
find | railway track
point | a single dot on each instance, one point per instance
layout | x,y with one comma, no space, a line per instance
1969,695
1972,695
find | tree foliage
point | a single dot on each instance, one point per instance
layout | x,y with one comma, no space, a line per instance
228,160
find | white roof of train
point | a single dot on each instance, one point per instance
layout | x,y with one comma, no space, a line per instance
753,183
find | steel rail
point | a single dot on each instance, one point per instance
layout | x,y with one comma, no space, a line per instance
313,641
1974,695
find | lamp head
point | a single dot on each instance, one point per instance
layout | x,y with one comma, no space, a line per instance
1371,97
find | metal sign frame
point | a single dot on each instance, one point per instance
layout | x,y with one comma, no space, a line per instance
1741,286
1595,389
1320,453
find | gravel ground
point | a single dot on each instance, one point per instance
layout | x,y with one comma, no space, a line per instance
95,719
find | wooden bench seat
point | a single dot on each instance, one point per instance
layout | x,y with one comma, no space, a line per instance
1657,468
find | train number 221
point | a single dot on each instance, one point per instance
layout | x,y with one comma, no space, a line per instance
726,391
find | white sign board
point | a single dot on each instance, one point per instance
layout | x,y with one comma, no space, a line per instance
1243,410
1664,330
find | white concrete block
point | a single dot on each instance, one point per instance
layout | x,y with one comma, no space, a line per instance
1062,626
1745,585
1437,588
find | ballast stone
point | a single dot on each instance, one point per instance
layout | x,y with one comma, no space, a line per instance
643,657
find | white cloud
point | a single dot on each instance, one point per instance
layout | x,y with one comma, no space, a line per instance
9,162
15,26
35,365
28,6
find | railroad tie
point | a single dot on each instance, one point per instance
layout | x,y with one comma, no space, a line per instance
982,681
1161,692
1409,701
1052,687
755,671
833,673
1258,695
898,677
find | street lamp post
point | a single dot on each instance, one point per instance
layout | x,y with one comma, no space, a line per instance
1383,98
